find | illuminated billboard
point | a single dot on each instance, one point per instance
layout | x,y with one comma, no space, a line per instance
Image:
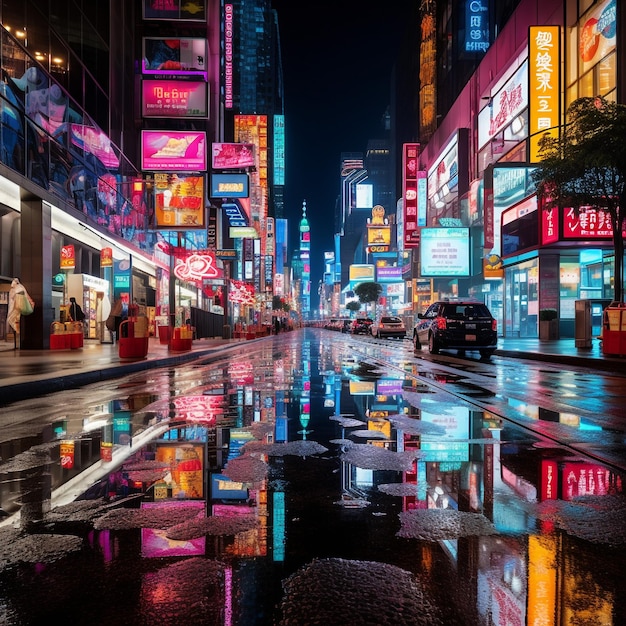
445,252
229,186
172,150
179,201
226,156
174,98
175,10
544,85
279,149
170,55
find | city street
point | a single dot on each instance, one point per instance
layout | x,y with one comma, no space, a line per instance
318,477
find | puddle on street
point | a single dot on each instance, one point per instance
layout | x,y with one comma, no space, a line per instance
299,479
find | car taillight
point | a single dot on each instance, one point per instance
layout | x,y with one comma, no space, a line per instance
494,325
441,323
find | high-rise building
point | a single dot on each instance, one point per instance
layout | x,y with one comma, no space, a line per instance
110,110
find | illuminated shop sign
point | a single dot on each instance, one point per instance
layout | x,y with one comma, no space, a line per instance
476,26
544,85
413,195
174,98
229,186
234,214
171,150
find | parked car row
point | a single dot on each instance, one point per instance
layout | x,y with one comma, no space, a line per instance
386,326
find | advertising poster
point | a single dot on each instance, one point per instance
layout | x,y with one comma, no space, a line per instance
174,56
179,201
232,155
173,151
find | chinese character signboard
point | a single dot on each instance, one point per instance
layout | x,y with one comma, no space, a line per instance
544,85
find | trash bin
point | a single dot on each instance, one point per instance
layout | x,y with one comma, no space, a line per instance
226,331
133,339
582,323
164,334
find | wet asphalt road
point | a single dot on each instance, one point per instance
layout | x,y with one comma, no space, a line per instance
383,487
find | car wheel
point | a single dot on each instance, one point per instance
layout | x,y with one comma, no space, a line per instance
433,348
486,354
416,342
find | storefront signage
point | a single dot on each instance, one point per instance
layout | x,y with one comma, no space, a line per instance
587,223
68,257
171,150
233,156
106,257
174,98
544,85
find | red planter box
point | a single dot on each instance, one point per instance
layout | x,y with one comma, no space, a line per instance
133,347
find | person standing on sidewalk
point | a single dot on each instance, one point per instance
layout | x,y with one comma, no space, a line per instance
76,312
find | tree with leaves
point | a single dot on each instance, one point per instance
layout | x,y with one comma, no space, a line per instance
368,292
585,167
353,306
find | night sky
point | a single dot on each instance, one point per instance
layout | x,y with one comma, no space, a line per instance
337,61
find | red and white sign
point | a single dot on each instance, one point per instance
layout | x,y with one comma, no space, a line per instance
68,257
66,453
197,266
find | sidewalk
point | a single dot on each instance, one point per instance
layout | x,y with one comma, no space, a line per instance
29,373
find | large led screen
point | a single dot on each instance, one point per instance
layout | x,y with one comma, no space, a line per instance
174,151
184,56
445,252
175,10
229,186
174,98
226,156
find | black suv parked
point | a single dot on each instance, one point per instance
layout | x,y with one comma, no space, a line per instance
457,325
